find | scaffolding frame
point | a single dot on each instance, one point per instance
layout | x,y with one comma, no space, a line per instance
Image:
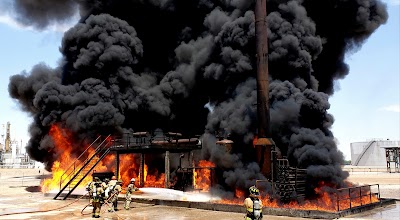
392,156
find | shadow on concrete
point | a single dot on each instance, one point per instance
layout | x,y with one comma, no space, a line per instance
33,189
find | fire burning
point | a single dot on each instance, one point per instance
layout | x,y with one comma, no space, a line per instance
326,198
202,176
68,164
155,180
333,201
64,168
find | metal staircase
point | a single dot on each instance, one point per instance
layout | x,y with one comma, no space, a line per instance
81,167
360,156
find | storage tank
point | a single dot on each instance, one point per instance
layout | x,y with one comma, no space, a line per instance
370,153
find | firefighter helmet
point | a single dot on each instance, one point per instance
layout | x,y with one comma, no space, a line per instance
254,191
96,179
114,178
133,180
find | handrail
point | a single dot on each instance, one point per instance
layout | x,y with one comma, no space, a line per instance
359,195
99,149
87,161
106,151
138,139
74,163
363,152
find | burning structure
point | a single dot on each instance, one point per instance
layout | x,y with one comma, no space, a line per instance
189,67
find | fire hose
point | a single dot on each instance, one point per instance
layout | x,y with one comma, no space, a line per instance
105,202
61,207
45,210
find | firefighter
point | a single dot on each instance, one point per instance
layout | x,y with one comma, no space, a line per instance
129,190
105,183
90,187
109,184
97,198
253,205
114,191
113,181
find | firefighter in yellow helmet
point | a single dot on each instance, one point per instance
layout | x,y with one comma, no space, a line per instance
129,190
113,181
111,184
90,187
97,198
113,197
253,205
105,183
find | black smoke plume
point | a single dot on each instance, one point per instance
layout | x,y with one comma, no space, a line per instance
41,13
189,66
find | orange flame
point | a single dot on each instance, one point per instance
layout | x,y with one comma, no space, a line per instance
202,175
255,139
127,168
324,202
63,146
239,193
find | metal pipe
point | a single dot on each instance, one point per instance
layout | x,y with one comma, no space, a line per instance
262,69
264,143
117,165
141,168
379,193
167,169
370,194
272,172
350,196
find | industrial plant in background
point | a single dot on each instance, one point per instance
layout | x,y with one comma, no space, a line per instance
11,155
376,153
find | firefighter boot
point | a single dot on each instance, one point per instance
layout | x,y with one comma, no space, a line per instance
127,203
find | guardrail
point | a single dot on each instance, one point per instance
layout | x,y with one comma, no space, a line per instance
355,195
17,166
360,169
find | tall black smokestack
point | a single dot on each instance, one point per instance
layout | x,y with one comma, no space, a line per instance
263,144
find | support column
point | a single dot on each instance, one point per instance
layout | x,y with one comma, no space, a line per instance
167,169
397,153
387,151
396,159
117,165
191,159
193,165
141,169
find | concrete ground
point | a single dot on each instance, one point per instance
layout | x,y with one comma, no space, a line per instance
20,199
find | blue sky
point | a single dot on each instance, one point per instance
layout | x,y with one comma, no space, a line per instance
366,104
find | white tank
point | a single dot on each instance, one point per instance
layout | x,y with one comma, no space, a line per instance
370,153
